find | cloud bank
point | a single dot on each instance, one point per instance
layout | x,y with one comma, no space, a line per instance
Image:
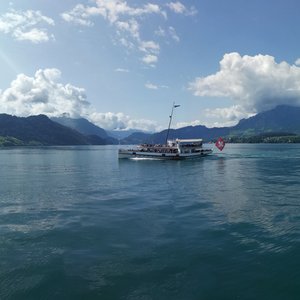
254,83
120,121
45,94
26,26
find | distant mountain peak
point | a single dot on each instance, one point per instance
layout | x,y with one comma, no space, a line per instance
39,130
85,127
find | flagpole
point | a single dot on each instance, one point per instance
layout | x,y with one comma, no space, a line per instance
171,116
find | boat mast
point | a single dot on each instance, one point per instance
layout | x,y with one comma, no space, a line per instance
171,116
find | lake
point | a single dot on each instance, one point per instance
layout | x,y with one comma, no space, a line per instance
76,223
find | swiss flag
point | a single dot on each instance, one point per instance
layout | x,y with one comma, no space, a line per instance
220,144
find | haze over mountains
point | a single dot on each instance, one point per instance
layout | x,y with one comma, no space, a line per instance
40,130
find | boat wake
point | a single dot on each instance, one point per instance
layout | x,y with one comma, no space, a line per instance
143,158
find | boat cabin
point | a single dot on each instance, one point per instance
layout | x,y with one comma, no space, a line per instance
187,145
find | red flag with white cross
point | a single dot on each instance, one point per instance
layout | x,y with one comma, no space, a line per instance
220,144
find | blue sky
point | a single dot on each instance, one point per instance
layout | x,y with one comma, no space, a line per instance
121,64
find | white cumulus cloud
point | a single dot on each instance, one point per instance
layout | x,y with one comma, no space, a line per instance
179,8
151,86
43,93
127,20
254,83
225,116
150,59
122,70
173,34
168,32
80,15
185,124
120,121
149,47
26,25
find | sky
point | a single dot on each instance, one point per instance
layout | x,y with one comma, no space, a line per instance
122,64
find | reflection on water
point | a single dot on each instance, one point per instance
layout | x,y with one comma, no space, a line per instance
259,187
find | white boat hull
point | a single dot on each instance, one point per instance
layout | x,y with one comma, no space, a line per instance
130,154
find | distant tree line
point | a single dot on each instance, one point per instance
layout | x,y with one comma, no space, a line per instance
273,137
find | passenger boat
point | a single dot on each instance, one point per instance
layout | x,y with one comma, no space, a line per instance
172,149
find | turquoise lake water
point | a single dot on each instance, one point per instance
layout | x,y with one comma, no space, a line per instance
76,223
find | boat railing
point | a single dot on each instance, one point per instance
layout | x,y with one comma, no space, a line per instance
157,148
192,145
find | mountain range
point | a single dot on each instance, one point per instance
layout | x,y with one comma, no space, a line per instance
282,119
41,130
